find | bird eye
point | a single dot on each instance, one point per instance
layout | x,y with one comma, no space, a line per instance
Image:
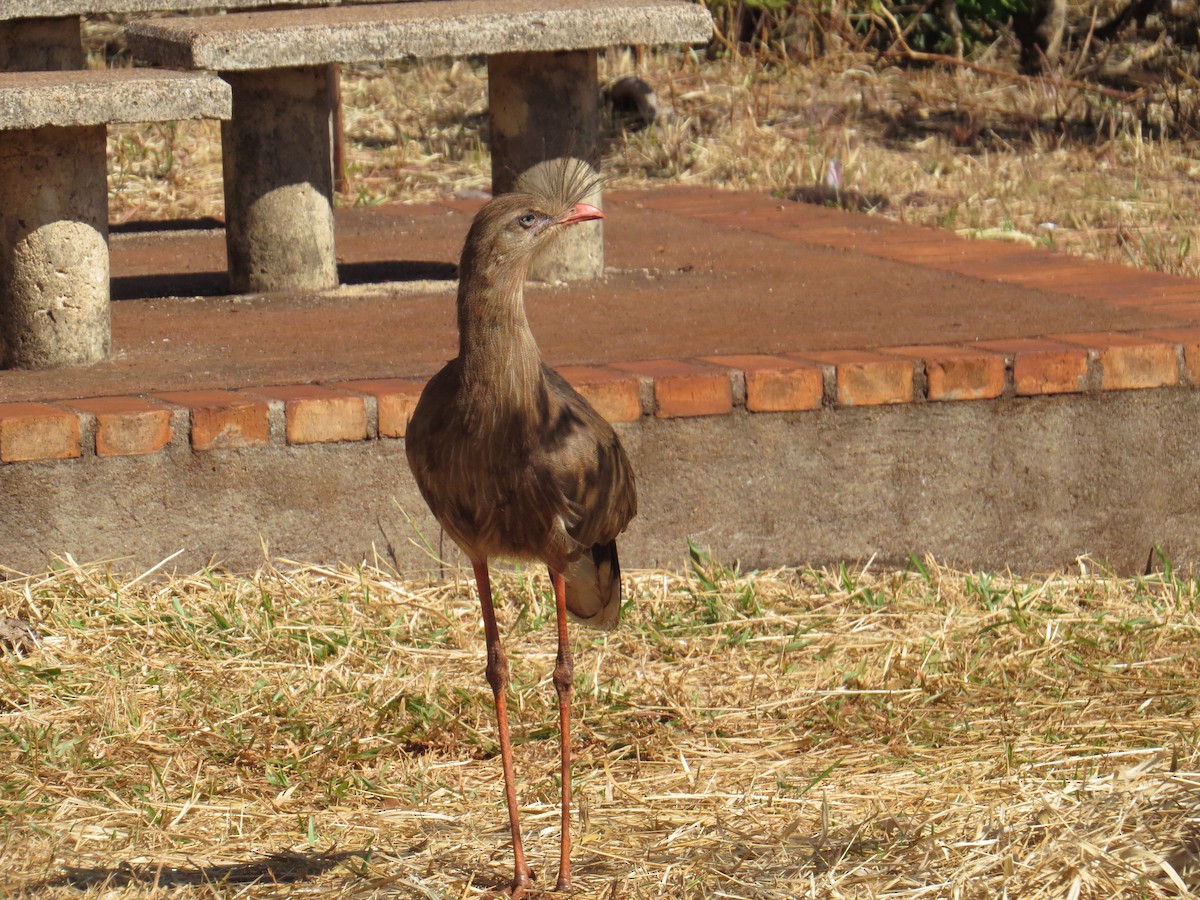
527,220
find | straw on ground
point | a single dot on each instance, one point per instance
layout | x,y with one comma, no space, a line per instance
319,731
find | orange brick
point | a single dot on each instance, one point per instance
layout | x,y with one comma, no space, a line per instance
1087,278
223,420
1189,340
865,378
30,431
1036,268
933,248
775,383
468,205
1185,312
127,426
692,202
1166,290
1128,361
395,399
1042,367
615,395
684,389
956,373
319,415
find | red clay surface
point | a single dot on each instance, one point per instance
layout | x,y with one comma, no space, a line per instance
693,273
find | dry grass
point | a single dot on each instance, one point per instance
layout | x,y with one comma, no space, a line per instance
308,731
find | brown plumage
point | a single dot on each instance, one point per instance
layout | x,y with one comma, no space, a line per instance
513,462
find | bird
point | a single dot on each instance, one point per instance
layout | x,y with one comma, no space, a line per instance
515,464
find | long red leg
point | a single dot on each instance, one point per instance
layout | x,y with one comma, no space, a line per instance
563,677
497,676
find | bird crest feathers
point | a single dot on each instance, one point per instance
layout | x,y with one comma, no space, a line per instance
558,184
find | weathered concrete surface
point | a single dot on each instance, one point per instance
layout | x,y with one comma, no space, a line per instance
54,266
545,110
279,181
54,307
1028,484
109,96
24,9
32,44
370,33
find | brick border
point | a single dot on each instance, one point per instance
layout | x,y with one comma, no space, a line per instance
930,248
758,384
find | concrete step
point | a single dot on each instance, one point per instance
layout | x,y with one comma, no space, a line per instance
795,384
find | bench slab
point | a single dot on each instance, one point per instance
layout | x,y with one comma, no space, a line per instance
55,9
543,102
77,98
424,28
45,34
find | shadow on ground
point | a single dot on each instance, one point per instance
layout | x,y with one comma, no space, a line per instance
274,868
216,284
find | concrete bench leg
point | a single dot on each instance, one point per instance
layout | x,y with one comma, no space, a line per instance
279,181
36,45
54,248
547,106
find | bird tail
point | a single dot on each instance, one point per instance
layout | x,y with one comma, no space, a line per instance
594,587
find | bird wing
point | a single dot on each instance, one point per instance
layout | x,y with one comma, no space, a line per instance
588,465
592,474
484,476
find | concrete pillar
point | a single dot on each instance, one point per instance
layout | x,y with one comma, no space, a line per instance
54,248
279,181
37,45
546,106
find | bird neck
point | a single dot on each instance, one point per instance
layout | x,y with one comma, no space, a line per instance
495,343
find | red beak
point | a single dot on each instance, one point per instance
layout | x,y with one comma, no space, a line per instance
581,212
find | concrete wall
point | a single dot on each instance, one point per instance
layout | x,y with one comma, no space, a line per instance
1029,484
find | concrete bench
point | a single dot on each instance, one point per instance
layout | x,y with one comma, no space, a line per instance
54,276
45,34
543,98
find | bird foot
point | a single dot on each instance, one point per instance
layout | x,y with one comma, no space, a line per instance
514,891
517,890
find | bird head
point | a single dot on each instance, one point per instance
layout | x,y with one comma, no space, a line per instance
511,228
515,226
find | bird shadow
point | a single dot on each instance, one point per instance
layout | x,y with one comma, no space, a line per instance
281,867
